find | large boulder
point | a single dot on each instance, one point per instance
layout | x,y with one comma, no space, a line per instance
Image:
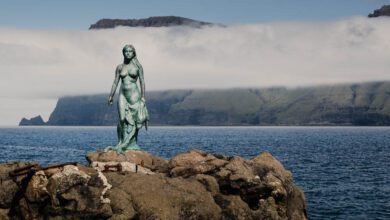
192,185
262,184
159,197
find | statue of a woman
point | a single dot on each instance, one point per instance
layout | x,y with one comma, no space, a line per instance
131,101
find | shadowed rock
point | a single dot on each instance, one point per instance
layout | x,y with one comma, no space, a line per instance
383,11
192,185
33,121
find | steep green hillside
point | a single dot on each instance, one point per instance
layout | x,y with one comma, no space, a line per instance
348,104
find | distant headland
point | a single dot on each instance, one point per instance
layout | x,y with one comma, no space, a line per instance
383,11
363,104
158,21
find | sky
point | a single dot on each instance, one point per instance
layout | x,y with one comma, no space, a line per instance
47,51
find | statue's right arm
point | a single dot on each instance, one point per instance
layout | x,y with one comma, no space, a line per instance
114,85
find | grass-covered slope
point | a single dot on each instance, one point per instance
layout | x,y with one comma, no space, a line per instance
348,104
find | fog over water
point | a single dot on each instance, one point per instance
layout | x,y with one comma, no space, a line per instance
38,66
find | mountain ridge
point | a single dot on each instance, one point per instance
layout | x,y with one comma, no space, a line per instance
155,21
346,104
383,11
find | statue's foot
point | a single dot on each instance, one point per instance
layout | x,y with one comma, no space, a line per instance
117,149
108,148
131,147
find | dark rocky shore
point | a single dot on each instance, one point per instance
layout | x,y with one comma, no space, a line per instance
137,185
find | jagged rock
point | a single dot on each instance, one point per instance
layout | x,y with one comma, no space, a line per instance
32,121
62,181
234,208
266,161
209,182
7,185
192,185
194,162
261,183
36,190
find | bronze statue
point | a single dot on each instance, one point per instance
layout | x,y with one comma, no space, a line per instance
132,110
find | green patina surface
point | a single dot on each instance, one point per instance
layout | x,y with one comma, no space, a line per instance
133,114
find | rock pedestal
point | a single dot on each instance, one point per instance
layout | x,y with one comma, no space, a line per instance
138,185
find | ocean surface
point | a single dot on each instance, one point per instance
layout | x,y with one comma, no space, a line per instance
344,171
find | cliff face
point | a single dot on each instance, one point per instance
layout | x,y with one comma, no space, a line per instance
353,104
137,185
83,110
383,11
161,21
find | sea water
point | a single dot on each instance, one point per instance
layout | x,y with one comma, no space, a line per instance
343,171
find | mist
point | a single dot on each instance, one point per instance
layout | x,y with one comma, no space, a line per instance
38,66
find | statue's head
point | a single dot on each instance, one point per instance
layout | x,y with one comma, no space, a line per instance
128,52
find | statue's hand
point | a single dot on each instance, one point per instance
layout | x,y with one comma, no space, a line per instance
110,100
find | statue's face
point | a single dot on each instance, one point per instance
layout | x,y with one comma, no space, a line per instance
128,53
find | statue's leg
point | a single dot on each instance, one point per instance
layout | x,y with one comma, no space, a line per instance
122,121
122,115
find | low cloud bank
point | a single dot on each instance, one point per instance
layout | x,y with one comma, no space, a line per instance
44,65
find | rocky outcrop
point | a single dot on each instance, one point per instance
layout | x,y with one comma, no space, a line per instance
383,11
192,185
33,121
159,21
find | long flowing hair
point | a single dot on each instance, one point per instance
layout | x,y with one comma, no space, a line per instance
135,59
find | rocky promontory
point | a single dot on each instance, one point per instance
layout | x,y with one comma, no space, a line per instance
362,104
157,21
138,185
383,11
32,121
